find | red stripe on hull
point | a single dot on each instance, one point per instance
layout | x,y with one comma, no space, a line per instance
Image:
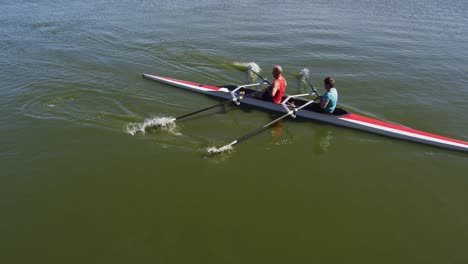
400,128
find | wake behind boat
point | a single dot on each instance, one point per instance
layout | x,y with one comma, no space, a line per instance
340,117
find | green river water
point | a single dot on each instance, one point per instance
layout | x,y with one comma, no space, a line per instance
77,187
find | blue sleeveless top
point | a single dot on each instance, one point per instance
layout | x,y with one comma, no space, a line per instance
332,97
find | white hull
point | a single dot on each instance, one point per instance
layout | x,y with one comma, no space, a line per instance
346,120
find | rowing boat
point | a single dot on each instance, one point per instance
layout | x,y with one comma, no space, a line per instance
340,117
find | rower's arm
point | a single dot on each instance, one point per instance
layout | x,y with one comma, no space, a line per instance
274,88
324,102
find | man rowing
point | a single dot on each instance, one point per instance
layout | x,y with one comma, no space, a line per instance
275,92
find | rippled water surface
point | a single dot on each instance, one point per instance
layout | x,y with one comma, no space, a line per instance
87,177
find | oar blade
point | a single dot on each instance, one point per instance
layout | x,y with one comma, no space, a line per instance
223,149
253,70
305,73
252,66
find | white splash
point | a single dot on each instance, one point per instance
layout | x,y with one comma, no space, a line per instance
163,123
215,150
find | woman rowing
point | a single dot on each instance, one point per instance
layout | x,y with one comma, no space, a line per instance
329,99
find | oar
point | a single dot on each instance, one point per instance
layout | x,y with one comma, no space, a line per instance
304,74
260,129
235,99
204,109
249,69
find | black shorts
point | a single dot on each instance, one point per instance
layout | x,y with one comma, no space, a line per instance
266,96
316,108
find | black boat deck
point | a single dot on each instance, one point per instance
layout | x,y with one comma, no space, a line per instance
297,101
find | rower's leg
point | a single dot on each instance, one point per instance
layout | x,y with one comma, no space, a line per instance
316,108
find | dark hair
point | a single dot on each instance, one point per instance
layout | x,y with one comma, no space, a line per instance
329,81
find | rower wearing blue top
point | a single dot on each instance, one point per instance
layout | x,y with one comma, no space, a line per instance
329,99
